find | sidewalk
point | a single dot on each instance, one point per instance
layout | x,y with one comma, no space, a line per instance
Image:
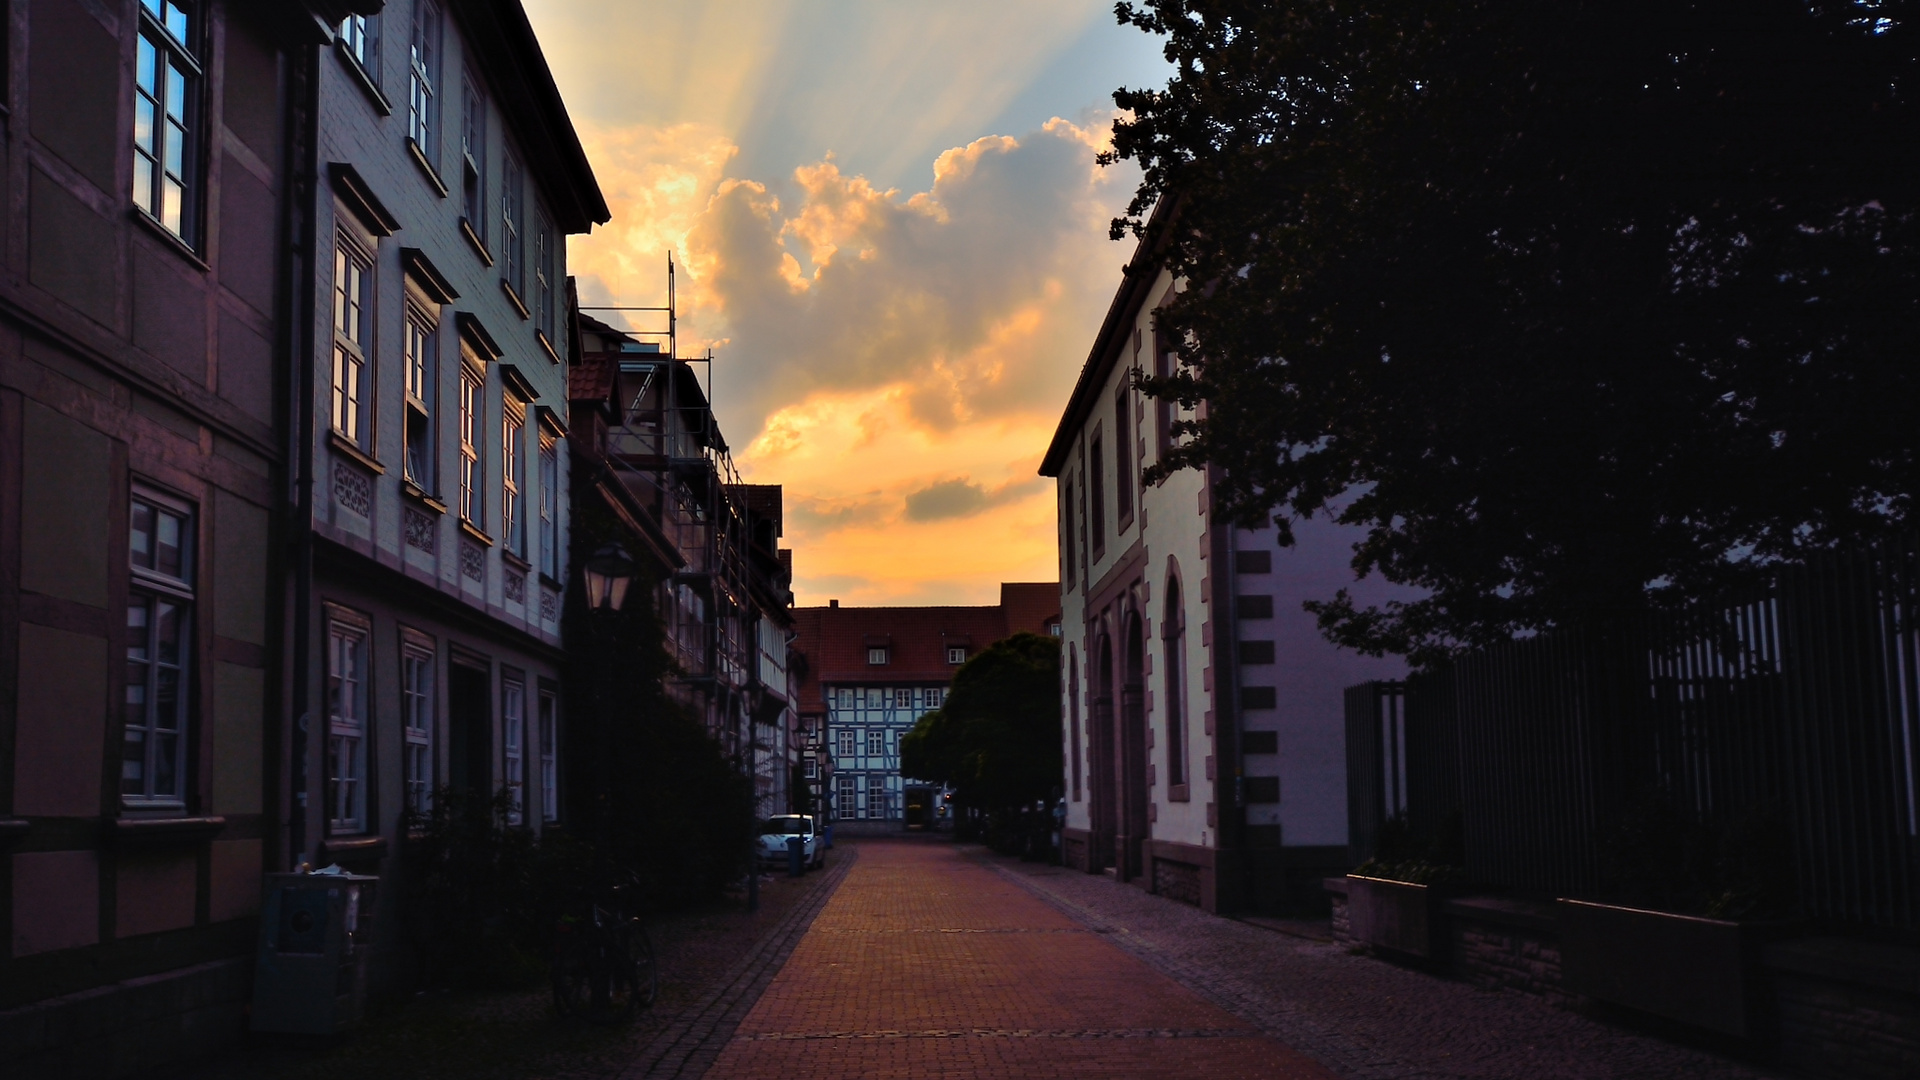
1364,1018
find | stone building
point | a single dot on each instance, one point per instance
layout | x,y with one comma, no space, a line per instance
431,527
871,673
145,319
1204,736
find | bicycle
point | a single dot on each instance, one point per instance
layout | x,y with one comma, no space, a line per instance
603,963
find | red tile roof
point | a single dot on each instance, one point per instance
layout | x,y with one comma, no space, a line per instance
835,640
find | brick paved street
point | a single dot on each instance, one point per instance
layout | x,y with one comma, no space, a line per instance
928,964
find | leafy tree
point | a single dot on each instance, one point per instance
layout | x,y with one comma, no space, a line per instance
997,739
1575,309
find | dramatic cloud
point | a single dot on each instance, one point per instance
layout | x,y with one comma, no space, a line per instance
897,302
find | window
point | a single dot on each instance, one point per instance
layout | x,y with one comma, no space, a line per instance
360,37
876,742
1166,362
1253,562
416,714
543,279
1066,532
421,343
1073,717
472,409
1253,607
844,742
473,158
549,757
812,767
1053,629
877,797
1122,454
423,75
846,697
165,111
935,695
153,757
1254,653
1173,631
549,506
844,797
352,304
513,747
1097,495
877,654
903,699
956,654
513,474
511,225
347,728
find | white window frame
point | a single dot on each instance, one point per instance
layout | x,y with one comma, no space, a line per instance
936,696
166,115
846,798
473,157
421,345
544,239
155,731
549,505
549,756
877,792
812,766
423,77
956,654
473,411
877,655
846,742
513,474
513,745
903,698
348,726
513,223
418,677
876,742
360,37
846,697
353,290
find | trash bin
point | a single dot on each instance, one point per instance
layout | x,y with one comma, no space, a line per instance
316,931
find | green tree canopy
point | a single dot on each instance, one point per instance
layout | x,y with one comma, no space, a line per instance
997,739
1573,308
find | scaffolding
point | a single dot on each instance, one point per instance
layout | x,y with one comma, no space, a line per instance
665,446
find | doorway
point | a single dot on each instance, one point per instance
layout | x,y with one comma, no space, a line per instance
469,729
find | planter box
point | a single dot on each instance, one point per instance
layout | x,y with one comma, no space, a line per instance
1396,916
1682,967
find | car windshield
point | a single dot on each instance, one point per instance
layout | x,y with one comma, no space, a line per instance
785,826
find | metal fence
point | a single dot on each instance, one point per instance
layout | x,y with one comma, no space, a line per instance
1799,699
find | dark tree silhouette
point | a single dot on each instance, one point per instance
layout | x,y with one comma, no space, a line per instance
997,738
1574,308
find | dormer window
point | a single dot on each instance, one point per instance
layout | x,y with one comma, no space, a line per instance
876,655
956,654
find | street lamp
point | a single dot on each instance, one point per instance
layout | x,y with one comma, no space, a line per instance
609,572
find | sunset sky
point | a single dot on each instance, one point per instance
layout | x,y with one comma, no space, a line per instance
891,230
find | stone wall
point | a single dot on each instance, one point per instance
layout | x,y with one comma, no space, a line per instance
1506,945
1177,881
134,1025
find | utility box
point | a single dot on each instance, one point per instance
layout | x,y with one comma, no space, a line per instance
316,931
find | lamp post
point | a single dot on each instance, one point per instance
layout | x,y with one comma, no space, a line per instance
608,573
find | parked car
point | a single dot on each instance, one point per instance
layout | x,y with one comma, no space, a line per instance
773,841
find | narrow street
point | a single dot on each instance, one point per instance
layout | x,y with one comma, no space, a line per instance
926,963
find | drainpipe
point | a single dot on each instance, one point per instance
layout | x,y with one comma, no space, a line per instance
306,187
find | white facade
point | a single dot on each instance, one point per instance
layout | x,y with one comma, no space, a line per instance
1204,711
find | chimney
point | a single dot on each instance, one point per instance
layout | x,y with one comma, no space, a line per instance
833,603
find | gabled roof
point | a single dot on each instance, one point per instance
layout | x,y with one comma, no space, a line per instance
1136,283
511,58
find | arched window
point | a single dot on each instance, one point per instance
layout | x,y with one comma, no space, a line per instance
1073,718
1173,632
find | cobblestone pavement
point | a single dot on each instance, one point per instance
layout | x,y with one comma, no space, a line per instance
927,964
1361,1017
